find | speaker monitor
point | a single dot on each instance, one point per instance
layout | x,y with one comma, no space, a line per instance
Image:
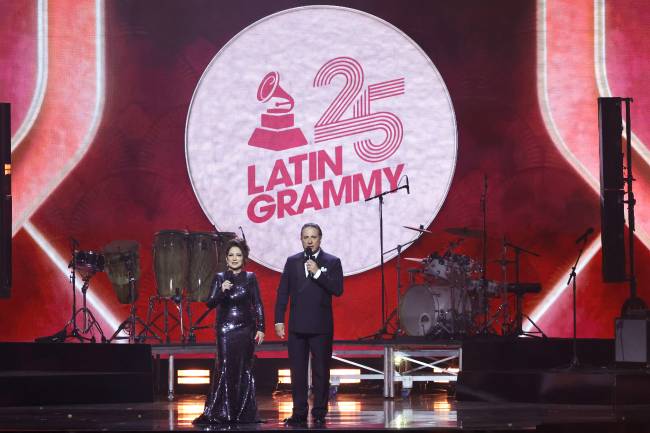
612,218
632,340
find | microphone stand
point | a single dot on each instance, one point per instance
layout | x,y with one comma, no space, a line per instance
572,278
398,267
380,197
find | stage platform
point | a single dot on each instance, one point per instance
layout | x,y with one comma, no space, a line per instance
500,384
436,412
429,360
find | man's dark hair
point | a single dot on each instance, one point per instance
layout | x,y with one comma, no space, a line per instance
314,226
239,243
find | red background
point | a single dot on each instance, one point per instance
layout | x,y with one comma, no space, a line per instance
133,181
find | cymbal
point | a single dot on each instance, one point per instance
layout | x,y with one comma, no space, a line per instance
418,229
415,259
464,232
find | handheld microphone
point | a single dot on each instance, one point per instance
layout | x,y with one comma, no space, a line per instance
583,237
309,255
229,276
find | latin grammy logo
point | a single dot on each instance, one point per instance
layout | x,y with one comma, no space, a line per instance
277,131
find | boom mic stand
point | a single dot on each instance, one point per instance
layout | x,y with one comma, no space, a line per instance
572,277
380,197
395,312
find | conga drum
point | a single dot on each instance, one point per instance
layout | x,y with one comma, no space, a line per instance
204,258
121,258
170,261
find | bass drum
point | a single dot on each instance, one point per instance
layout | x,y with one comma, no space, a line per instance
425,308
418,310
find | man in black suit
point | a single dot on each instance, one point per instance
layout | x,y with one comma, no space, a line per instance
310,278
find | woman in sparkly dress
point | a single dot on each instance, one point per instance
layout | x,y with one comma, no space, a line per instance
240,323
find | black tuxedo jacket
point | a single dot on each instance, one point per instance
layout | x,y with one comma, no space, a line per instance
311,298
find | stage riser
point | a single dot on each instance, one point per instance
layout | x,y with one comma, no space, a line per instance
537,371
29,389
554,387
46,374
534,353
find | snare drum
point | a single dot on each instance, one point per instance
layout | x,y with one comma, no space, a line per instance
88,263
437,267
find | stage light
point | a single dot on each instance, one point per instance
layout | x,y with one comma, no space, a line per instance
284,375
450,370
342,372
193,377
442,406
188,411
348,406
284,407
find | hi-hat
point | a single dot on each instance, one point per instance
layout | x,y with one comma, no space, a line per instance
464,232
421,230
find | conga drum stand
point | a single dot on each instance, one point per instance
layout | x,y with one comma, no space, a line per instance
129,324
170,321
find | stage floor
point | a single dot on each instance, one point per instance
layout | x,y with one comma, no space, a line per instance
424,412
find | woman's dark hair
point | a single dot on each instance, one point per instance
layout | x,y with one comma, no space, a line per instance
239,243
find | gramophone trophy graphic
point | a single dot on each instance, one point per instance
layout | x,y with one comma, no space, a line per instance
277,131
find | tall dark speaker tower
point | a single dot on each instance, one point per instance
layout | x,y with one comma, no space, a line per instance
5,200
612,194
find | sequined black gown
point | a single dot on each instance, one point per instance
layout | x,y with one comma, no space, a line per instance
240,315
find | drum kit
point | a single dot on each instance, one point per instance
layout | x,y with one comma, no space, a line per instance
454,296
184,266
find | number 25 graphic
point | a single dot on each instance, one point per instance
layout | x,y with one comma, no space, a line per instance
330,126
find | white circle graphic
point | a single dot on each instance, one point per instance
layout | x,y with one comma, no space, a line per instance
307,113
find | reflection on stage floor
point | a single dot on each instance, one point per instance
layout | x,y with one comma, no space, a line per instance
427,412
